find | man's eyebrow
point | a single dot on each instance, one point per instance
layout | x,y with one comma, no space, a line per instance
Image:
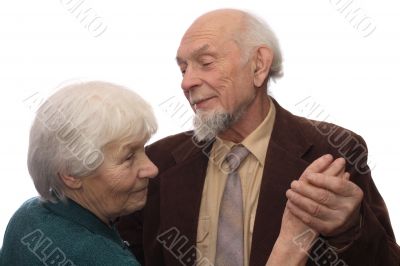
195,53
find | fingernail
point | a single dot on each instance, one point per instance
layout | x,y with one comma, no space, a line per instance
347,176
342,160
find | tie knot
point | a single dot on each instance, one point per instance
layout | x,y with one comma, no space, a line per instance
235,157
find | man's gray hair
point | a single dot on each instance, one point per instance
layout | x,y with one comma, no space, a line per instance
73,127
256,32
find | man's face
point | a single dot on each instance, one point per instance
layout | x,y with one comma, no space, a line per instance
216,79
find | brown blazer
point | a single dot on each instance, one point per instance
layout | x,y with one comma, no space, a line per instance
166,228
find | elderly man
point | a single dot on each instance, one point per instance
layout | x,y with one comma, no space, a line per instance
196,212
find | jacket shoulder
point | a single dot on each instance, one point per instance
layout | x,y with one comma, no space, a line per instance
170,142
335,140
161,151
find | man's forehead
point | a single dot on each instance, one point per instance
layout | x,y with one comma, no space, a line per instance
205,42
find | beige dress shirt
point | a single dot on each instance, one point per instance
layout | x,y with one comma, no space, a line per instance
251,171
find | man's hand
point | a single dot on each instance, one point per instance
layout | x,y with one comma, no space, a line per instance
286,251
326,201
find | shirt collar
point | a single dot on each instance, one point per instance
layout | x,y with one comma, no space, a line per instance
256,142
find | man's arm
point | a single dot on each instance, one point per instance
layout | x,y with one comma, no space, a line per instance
295,237
373,242
357,228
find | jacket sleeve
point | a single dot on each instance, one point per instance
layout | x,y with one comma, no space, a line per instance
375,242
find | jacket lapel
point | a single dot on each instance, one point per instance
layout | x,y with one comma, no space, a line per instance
283,164
181,208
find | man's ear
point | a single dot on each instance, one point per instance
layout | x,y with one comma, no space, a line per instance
70,181
262,64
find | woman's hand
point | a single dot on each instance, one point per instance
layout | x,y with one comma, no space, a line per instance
295,237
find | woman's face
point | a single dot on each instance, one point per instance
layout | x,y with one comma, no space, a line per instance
119,185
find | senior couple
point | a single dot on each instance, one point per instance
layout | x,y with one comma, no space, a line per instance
252,184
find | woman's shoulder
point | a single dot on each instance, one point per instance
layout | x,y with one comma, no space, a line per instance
24,214
29,205
36,234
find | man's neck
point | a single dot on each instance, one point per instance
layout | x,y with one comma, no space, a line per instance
249,121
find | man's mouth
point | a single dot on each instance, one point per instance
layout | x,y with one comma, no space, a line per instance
198,102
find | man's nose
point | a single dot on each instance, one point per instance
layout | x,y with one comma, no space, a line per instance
190,79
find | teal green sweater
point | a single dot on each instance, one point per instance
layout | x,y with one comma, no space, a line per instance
43,233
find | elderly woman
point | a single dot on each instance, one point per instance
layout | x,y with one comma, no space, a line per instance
87,160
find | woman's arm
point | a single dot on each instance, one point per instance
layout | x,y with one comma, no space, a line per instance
287,251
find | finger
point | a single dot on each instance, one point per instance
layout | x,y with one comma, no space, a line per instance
317,194
339,186
336,168
346,176
318,166
309,206
313,222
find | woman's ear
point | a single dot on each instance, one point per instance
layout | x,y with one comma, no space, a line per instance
70,181
263,62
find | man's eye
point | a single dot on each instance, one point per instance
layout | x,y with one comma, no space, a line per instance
207,63
183,70
129,157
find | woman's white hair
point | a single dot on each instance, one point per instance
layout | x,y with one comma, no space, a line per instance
73,127
256,32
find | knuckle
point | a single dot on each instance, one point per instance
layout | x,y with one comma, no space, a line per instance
293,196
324,197
307,220
316,210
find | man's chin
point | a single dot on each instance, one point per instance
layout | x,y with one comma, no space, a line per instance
203,135
208,124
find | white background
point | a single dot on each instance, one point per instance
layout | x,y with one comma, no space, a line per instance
353,78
